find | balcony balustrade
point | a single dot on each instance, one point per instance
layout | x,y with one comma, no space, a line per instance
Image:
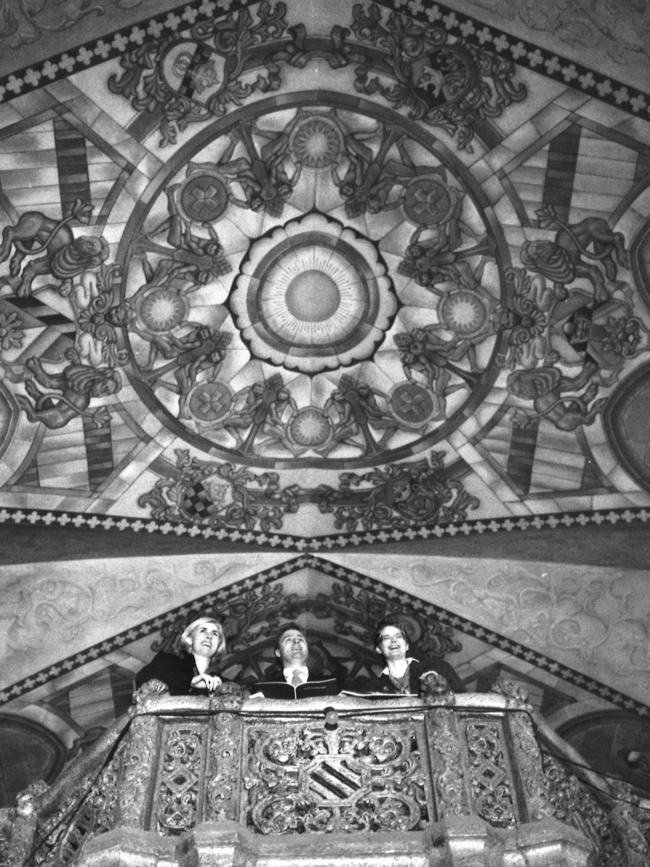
472,779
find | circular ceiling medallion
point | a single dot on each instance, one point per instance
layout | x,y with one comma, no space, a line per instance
463,312
210,401
413,404
316,141
310,428
427,201
203,197
161,308
316,284
313,295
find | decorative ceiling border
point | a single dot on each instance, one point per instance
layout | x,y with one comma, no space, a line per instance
302,544
525,54
353,578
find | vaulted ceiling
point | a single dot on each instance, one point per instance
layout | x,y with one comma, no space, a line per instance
326,309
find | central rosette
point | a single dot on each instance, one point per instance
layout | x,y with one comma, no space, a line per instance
313,295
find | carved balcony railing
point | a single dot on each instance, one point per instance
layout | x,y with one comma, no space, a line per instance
471,779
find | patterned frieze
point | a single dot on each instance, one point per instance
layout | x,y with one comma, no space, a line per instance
54,611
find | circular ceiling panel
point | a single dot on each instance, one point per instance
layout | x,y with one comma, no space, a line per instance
314,296
317,284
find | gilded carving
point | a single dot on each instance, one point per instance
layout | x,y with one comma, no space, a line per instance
451,786
223,773
573,804
493,799
396,496
450,85
359,777
528,760
182,755
397,769
221,495
137,761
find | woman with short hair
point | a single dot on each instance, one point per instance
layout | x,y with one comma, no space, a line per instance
403,674
195,673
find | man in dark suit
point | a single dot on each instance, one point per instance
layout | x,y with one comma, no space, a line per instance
293,666
292,651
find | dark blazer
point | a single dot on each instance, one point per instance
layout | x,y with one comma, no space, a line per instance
383,683
176,671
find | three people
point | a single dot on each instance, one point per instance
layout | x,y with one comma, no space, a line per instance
204,642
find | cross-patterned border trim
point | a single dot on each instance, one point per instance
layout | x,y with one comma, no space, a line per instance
520,51
353,578
300,544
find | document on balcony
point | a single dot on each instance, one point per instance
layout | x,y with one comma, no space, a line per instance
308,689
374,695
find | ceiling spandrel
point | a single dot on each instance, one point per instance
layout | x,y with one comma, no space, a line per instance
321,269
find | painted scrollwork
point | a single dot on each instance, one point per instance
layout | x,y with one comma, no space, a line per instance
396,496
192,77
220,495
200,72
451,85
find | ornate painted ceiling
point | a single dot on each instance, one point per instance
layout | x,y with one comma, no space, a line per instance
282,282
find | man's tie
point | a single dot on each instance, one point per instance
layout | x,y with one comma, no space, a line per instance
296,679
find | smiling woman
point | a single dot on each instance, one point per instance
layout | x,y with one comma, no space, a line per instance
203,640
405,674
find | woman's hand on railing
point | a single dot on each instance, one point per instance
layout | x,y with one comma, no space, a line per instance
206,681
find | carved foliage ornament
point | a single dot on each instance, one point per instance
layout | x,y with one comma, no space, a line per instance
451,85
182,762
199,73
220,495
396,496
489,773
358,777
571,803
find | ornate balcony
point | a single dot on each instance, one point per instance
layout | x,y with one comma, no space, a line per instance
473,779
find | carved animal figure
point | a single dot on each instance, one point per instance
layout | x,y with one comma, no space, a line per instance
64,256
563,259
545,386
74,387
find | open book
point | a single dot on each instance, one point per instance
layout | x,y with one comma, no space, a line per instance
309,689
